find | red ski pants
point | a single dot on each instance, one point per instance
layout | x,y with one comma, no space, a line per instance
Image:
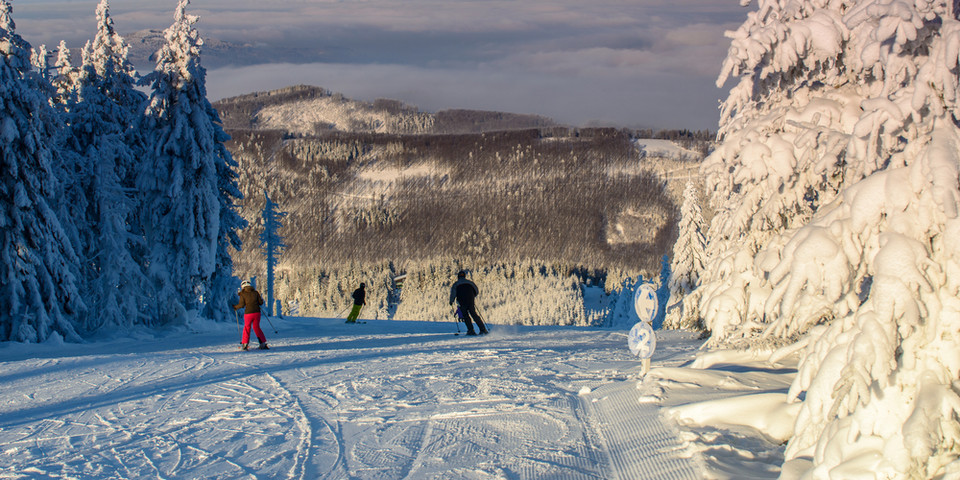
252,320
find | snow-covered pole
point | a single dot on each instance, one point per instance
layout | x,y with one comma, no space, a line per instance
271,243
271,263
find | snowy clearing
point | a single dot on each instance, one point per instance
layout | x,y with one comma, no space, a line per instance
652,147
385,399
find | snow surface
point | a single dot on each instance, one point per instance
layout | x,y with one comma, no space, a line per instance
654,147
385,399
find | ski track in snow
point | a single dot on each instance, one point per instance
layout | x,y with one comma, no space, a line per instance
635,440
386,400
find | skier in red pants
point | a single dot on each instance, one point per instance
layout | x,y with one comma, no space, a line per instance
250,301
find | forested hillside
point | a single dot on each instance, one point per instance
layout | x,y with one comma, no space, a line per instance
309,111
381,187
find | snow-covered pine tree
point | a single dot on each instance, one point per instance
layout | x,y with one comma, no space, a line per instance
40,60
688,260
98,136
836,183
271,242
38,281
57,84
622,314
117,78
188,184
66,75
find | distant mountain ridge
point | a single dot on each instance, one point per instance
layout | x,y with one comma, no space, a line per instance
304,110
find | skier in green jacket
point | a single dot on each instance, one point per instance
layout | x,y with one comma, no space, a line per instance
359,300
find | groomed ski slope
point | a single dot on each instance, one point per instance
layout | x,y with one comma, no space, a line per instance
383,400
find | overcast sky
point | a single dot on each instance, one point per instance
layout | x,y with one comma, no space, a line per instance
639,63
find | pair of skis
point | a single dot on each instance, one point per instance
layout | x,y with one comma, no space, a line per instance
253,348
358,316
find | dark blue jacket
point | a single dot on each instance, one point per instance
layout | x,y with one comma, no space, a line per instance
464,292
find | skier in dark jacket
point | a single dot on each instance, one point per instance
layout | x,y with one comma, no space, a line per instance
359,300
465,292
250,301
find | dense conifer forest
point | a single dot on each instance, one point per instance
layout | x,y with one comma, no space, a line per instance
380,188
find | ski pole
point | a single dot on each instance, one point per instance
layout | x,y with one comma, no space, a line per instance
456,319
482,318
271,323
237,315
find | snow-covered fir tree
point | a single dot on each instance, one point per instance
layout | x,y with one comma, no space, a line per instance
622,313
838,213
63,76
117,79
39,281
688,261
188,184
60,91
271,242
40,60
99,135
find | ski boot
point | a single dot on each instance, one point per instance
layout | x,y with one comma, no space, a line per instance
244,346
263,346
471,332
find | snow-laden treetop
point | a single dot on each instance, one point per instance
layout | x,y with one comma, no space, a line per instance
837,196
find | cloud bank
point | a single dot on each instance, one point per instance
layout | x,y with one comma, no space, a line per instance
649,63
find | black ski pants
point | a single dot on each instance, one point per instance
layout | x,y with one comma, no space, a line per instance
468,311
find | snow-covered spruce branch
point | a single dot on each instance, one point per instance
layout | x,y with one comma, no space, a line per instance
836,185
